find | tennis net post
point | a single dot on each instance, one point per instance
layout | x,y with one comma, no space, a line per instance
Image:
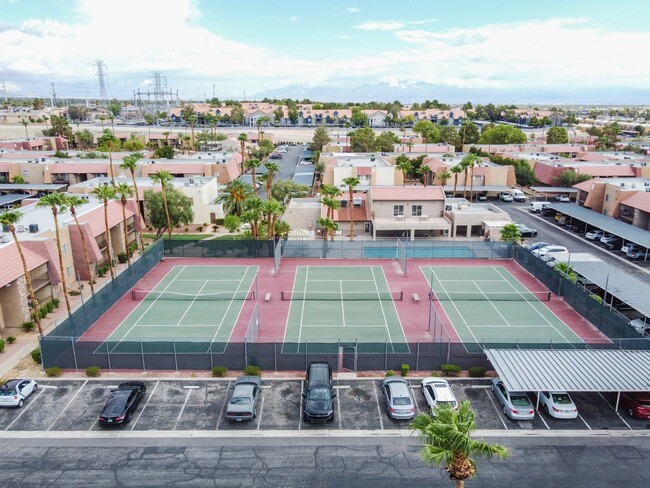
402,256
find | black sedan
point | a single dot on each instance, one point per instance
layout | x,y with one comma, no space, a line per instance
526,231
122,403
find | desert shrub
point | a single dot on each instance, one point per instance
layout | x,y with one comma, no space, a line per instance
56,302
450,369
28,326
199,228
477,371
11,339
435,374
252,371
36,355
219,371
93,371
100,272
50,307
42,312
53,372
121,257
2,345
404,369
74,293
390,372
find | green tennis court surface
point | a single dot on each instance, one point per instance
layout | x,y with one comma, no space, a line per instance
342,304
488,304
191,304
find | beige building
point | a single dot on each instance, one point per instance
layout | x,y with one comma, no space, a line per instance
473,220
610,196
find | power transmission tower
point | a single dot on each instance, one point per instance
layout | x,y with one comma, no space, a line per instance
4,90
101,79
52,95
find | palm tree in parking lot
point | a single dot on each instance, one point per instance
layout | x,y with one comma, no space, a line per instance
447,440
243,139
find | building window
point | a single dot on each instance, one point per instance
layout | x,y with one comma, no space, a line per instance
66,249
398,210
68,271
607,198
416,210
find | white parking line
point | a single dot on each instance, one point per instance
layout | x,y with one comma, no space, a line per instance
223,405
338,401
495,407
67,405
381,422
413,388
300,412
585,422
539,414
24,408
145,405
619,415
259,416
178,419
48,387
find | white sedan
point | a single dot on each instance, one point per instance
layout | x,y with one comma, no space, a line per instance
436,391
558,404
562,198
14,392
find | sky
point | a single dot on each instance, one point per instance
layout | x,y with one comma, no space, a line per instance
514,51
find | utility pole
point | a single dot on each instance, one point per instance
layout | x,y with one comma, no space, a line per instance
4,90
213,96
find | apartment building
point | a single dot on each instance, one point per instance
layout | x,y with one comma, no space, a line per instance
621,198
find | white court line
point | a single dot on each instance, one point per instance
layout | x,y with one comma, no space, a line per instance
522,326
369,326
490,395
333,280
178,419
342,302
191,303
67,405
24,409
490,301
210,280
381,422
302,315
145,405
225,314
223,405
381,305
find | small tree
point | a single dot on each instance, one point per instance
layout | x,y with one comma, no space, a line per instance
557,135
510,233
321,138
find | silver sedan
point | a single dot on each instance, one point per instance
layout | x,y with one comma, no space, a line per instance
243,401
516,404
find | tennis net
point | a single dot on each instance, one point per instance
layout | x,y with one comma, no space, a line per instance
493,296
190,297
338,296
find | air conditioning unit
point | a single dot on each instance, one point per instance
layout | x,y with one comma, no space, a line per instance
20,228
4,238
357,202
33,228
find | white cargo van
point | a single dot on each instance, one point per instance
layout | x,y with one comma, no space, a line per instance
537,207
518,195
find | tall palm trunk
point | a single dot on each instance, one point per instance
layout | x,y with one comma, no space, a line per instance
350,213
91,279
253,177
110,167
169,222
28,281
471,184
269,219
108,240
126,235
55,212
242,144
465,186
137,204
455,184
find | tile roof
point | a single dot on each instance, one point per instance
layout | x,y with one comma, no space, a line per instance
12,266
78,168
407,193
607,170
639,200
586,185
95,218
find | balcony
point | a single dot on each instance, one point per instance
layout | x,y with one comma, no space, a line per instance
422,222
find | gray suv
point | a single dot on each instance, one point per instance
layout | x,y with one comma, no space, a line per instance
319,395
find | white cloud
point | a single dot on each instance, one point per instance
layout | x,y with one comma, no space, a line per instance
353,10
390,25
343,37
294,18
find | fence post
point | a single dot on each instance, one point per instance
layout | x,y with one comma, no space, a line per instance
211,354
306,362
385,355
144,367
417,357
74,353
275,355
448,348
175,359
245,353
108,356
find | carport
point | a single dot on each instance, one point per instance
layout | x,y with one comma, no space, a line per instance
625,231
545,191
573,370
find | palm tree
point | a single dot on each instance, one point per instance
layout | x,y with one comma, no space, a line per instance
57,203
125,191
351,182
234,196
443,175
25,123
10,218
110,143
468,162
106,194
271,208
45,119
243,139
330,191
72,202
130,162
447,440
404,165
253,214
271,170
423,172
327,226
253,164
164,178
458,169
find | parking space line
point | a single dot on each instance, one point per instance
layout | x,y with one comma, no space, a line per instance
613,408
67,405
259,417
223,405
187,397
338,402
541,417
51,387
381,421
145,405
300,413
417,407
495,407
585,422
24,408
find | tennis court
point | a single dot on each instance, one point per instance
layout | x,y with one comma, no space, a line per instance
190,304
488,304
352,305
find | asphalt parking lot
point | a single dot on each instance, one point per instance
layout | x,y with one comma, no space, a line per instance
74,405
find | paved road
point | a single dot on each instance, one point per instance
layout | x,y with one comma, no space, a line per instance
601,462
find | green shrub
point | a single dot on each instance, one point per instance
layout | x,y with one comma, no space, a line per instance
11,339
36,355
93,371
252,371
450,369
106,268
435,374
597,298
100,272
50,307
404,369
56,302
121,257
28,326
390,372
477,371
199,228
53,372
42,312
219,371
2,345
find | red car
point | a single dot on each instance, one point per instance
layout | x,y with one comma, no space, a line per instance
637,404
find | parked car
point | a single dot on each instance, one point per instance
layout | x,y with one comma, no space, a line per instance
537,207
536,245
516,404
243,401
594,235
543,251
636,404
14,392
637,253
554,255
518,195
481,197
505,197
122,403
436,391
614,244
399,402
319,394
606,237
628,246
562,198
275,156
558,404
526,231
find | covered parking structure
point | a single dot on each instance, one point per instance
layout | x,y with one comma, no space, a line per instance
627,232
573,370
546,191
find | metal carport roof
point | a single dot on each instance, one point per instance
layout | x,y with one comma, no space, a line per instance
587,370
553,189
608,224
477,188
616,282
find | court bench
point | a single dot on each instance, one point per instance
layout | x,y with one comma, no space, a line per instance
416,298
267,297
